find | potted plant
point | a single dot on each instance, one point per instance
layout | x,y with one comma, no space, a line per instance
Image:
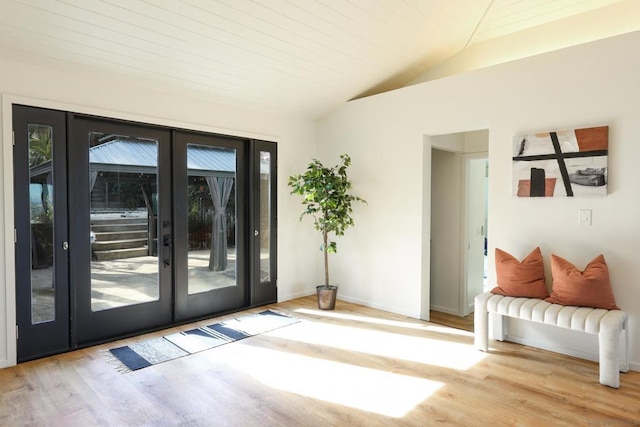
325,195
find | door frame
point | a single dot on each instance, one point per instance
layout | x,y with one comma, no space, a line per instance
7,251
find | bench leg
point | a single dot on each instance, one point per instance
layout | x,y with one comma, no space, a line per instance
624,352
481,322
609,351
481,330
501,327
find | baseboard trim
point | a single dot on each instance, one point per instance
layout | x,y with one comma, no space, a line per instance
553,347
382,307
301,294
633,366
445,310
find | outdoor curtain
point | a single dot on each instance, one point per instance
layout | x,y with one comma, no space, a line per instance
93,175
220,189
152,225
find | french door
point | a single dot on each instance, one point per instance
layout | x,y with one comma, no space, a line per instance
41,234
145,226
120,227
263,189
210,188
218,253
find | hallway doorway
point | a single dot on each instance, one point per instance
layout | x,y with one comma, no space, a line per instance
459,232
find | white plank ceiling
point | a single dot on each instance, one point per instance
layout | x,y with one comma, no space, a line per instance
303,57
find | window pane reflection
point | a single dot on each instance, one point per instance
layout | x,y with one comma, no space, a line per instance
211,211
41,220
265,216
123,182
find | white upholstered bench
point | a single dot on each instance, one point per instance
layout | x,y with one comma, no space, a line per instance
607,324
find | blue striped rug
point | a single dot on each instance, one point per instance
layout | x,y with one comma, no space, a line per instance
157,350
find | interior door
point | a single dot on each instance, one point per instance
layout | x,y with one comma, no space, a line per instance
41,241
121,227
211,223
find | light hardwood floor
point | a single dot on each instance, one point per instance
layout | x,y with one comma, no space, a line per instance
458,322
353,366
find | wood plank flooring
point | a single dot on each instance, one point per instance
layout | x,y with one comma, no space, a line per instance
465,323
354,366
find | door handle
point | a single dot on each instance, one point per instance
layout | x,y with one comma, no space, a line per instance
166,242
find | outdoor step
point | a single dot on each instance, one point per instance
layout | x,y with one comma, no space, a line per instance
125,220
120,254
119,244
103,228
109,236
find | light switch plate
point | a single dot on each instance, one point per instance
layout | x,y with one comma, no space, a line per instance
584,217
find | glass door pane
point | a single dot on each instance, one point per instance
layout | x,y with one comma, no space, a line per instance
123,185
212,217
265,225
41,212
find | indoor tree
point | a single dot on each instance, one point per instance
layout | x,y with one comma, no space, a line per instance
326,197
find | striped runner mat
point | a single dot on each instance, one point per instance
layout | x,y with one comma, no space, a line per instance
161,349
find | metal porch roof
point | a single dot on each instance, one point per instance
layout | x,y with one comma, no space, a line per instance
143,154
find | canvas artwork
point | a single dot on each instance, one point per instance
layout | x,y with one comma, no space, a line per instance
566,163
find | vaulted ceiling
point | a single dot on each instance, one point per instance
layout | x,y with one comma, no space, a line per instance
303,57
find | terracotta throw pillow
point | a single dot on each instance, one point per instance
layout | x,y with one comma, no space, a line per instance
520,279
588,288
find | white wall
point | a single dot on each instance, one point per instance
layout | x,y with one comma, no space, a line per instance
110,96
587,85
446,230
476,141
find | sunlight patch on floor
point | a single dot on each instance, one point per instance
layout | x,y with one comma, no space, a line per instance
419,349
424,326
366,389
107,297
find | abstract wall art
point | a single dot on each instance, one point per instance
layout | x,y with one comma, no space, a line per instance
565,163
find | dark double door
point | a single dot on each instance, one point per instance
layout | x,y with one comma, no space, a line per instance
124,227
